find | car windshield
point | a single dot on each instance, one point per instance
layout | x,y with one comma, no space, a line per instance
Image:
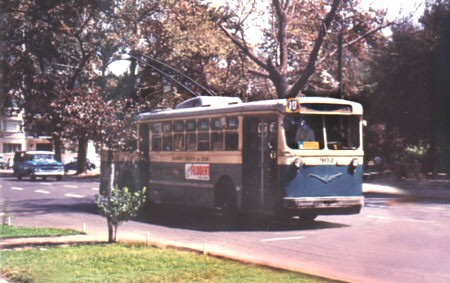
41,156
334,132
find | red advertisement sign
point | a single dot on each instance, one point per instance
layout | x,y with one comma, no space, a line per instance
197,171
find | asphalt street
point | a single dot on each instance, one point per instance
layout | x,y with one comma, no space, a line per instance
401,234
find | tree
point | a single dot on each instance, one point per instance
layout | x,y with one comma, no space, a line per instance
51,49
300,38
165,32
412,89
119,207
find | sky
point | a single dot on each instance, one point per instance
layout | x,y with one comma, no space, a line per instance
396,8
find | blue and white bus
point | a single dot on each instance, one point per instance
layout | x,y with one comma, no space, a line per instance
296,157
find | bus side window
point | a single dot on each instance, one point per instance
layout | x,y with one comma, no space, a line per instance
156,143
231,141
191,136
179,142
217,126
168,136
167,143
191,141
232,136
203,135
156,136
203,141
217,141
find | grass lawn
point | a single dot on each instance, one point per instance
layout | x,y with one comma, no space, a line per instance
7,232
122,263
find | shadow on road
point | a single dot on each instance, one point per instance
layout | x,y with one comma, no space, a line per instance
204,220
46,206
201,220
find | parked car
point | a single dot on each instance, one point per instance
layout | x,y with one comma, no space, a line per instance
72,165
3,164
37,164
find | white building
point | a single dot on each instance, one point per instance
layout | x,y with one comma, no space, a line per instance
15,137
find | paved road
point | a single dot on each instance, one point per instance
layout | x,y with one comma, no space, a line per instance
390,241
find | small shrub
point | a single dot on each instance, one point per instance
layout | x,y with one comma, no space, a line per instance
119,207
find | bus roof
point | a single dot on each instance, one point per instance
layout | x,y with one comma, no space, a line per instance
353,108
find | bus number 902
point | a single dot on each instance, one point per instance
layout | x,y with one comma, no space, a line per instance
327,160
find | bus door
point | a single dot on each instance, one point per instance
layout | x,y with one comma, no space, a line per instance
259,171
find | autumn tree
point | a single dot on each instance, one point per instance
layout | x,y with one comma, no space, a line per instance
301,38
180,34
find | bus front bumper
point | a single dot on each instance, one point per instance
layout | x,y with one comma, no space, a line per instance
301,203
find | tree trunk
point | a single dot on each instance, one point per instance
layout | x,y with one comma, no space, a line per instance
82,152
57,143
111,238
111,230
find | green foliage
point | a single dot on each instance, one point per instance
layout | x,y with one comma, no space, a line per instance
409,106
7,232
120,206
120,263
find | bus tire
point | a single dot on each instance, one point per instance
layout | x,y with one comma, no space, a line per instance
225,201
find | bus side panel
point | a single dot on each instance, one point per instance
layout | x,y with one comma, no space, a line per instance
322,181
169,183
166,183
202,193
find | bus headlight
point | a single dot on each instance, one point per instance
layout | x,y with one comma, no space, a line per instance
298,163
353,165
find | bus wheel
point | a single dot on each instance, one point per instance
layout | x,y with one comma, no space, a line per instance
59,178
225,202
33,177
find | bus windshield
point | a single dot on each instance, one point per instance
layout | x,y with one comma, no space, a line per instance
334,132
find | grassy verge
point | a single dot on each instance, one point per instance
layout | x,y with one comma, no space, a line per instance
7,232
121,263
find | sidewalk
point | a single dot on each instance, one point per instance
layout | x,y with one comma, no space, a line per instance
410,189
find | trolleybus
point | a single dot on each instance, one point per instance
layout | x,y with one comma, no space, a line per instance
292,157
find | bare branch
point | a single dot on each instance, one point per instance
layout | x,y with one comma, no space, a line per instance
243,46
310,67
352,42
259,73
